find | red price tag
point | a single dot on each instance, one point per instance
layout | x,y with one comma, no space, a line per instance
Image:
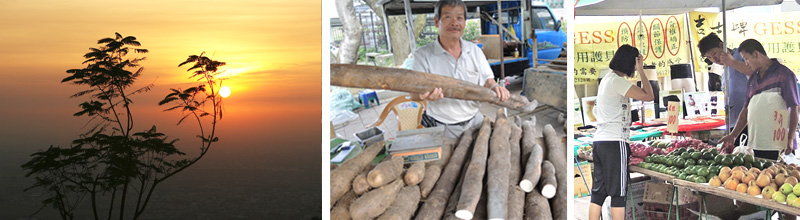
780,127
673,109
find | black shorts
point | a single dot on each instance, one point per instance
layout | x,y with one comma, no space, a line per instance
611,175
767,154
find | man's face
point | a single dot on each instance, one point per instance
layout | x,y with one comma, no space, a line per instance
753,60
713,54
451,22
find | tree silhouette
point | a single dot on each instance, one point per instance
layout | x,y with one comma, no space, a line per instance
111,158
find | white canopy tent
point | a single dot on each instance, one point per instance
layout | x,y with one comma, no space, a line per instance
661,7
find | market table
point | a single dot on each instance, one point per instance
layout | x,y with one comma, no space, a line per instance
698,124
719,191
731,194
653,174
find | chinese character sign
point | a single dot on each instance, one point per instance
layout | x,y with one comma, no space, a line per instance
779,33
662,41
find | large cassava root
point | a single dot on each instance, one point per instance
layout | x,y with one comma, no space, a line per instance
516,197
533,169
404,205
473,180
548,183
537,208
385,172
373,77
342,177
498,168
434,205
528,140
375,202
432,174
415,174
341,211
557,154
360,185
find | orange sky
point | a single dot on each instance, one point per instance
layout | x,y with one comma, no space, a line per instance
272,49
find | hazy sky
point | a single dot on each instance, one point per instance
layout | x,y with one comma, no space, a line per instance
272,48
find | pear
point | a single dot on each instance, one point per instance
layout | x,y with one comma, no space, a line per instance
779,197
791,180
796,203
790,198
786,189
780,178
796,190
767,192
763,180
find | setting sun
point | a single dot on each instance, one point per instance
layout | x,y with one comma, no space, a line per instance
224,91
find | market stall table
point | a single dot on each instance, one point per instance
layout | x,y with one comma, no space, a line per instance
755,200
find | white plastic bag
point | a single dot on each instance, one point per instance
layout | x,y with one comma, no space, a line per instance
340,116
742,148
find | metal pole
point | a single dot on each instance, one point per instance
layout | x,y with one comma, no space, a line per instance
502,43
725,77
386,30
412,40
372,31
691,52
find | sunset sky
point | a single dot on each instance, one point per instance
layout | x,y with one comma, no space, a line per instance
272,119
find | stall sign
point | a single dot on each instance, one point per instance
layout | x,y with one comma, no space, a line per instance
672,116
778,32
780,127
662,41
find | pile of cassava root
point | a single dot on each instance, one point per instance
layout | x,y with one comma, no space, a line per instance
500,171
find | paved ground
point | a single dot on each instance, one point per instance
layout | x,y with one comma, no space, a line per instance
544,115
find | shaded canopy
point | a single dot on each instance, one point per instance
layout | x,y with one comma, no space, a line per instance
657,7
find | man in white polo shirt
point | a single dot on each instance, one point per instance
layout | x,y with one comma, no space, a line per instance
451,56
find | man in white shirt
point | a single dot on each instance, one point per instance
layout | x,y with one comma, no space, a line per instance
451,56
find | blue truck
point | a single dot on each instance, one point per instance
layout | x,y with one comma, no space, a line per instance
550,38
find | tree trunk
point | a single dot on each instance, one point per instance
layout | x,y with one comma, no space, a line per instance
348,53
399,32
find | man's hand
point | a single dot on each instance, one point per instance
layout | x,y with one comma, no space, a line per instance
728,139
502,93
433,95
789,149
726,59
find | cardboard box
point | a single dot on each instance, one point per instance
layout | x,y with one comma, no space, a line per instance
581,188
491,46
636,198
660,193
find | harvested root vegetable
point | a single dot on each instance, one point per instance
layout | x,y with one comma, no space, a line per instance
548,183
342,177
557,154
434,204
528,140
385,172
415,174
536,207
375,202
341,211
516,202
499,169
360,185
513,143
533,170
431,176
473,180
373,77
404,205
